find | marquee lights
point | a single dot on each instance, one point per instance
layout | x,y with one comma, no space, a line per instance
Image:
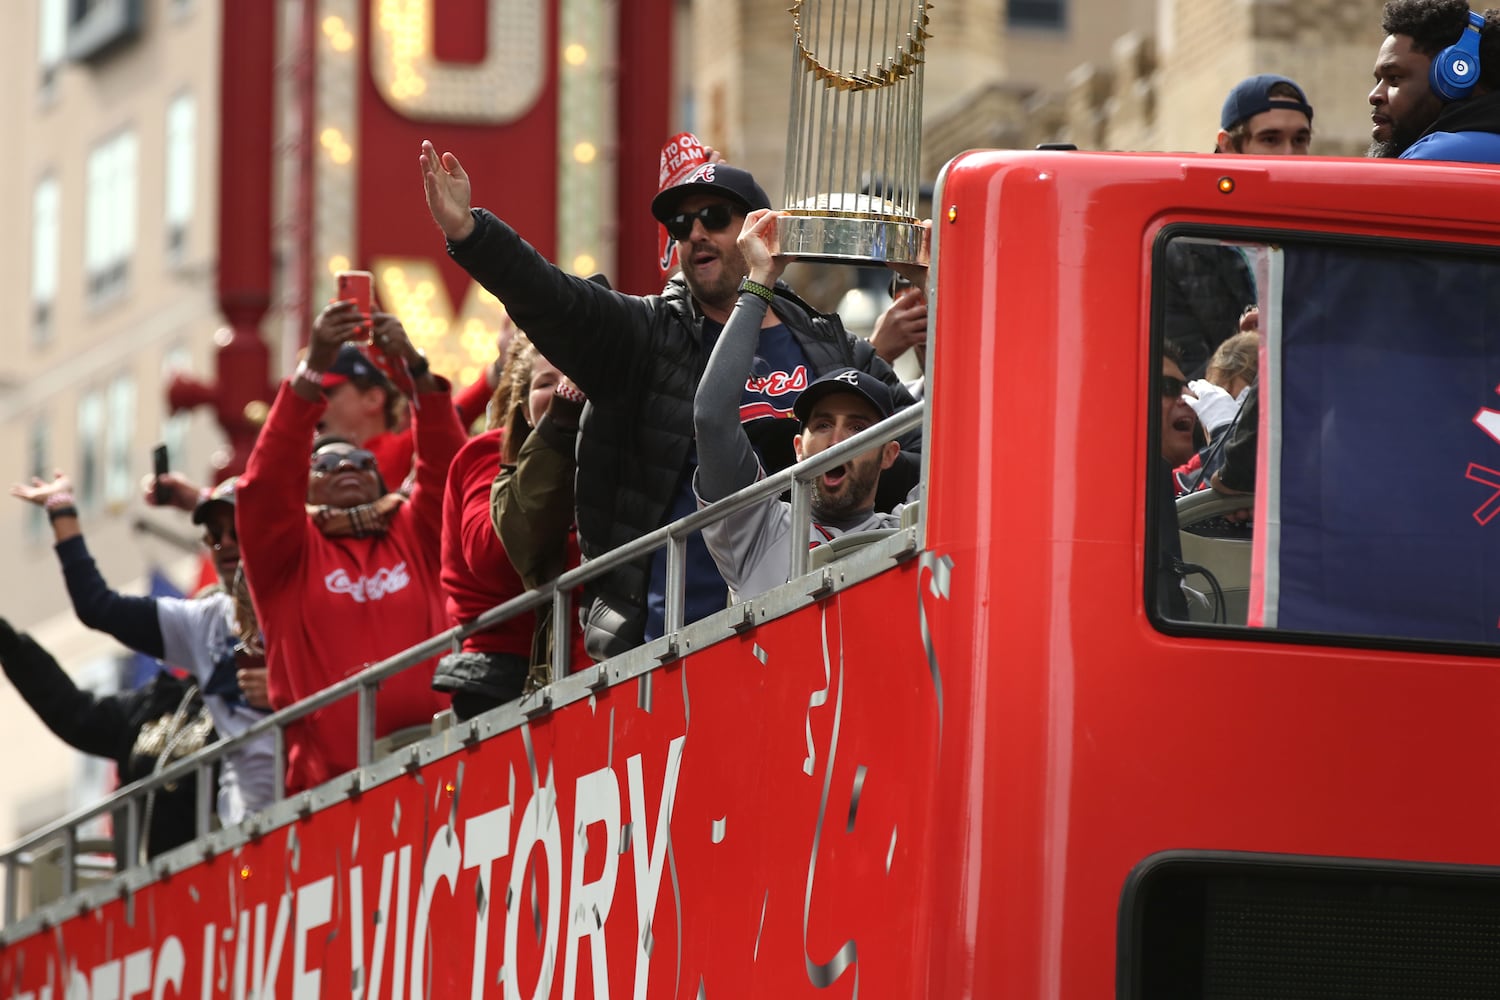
338,34
459,337
337,130
459,345
585,135
498,89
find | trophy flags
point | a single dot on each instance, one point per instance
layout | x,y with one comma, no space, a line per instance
682,154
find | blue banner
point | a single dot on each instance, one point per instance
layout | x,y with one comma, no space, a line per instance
1385,452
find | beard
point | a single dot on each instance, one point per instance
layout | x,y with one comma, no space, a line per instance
721,292
1403,134
855,494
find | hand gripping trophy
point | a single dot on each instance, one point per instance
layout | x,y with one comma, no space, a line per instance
855,131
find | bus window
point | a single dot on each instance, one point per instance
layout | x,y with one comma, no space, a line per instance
1342,478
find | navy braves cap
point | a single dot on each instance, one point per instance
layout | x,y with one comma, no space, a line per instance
1252,96
712,178
352,364
845,380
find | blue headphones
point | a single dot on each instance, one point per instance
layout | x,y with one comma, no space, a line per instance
1455,70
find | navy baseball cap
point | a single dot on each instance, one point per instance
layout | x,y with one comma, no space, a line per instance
861,383
712,178
220,494
1252,96
352,364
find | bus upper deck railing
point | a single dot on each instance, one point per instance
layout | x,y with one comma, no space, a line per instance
199,767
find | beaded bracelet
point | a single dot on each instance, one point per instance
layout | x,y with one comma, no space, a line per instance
62,498
53,513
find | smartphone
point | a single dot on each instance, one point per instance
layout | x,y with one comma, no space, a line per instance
161,493
359,287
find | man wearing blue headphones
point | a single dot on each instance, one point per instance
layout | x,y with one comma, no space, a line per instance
1437,83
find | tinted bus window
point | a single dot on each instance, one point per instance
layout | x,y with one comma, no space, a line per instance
1354,437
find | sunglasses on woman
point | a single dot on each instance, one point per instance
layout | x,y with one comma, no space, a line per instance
325,462
715,218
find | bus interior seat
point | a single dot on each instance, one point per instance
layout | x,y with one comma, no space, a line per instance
837,548
1221,547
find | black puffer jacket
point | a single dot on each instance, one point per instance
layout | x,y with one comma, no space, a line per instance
639,359
110,726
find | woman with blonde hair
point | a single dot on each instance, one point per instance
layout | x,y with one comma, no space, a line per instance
1230,373
491,667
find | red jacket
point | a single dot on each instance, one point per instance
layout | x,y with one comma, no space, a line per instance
477,574
329,607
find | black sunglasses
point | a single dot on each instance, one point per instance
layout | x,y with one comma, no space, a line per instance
714,218
325,462
1172,387
214,537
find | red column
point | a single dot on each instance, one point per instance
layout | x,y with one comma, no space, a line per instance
643,101
247,61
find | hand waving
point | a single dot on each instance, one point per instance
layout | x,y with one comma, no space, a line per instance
448,192
41,490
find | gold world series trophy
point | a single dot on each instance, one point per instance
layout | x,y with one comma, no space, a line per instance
855,131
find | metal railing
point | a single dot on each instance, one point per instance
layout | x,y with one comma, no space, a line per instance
199,767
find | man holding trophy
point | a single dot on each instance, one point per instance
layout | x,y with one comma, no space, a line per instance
639,359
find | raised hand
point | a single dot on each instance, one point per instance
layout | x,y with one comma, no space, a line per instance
448,192
337,323
182,492
40,490
902,326
761,246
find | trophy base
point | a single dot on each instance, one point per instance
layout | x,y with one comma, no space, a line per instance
849,240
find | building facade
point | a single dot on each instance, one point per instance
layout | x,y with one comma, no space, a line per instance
108,285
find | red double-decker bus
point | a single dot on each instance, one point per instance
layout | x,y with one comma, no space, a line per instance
1062,735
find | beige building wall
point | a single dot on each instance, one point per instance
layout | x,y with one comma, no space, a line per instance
1327,46
110,346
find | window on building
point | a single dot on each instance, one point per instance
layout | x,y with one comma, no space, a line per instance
38,464
52,41
90,451
1355,438
120,440
98,27
45,209
182,141
1036,13
109,239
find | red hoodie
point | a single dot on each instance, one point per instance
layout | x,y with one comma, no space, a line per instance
329,607
477,574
